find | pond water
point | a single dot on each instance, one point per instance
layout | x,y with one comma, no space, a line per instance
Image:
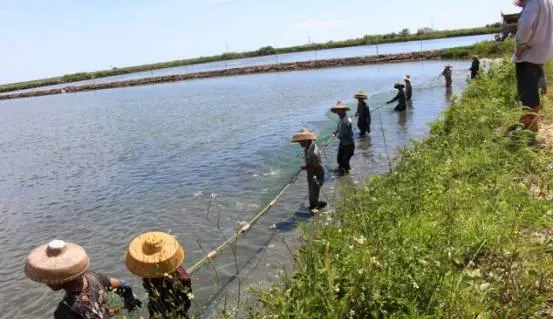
98,168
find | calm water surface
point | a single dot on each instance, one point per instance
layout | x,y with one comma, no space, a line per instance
98,168
387,48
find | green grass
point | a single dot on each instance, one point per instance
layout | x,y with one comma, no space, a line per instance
455,231
267,50
485,49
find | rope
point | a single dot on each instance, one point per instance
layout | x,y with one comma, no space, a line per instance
212,254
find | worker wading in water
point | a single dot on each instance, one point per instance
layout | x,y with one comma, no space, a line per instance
475,67
408,88
447,73
363,113
64,266
157,257
344,132
313,166
400,98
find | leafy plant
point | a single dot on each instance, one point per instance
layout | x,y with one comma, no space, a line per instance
460,229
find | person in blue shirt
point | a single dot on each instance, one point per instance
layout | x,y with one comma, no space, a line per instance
344,132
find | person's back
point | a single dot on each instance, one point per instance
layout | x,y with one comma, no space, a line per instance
408,90
535,31
169,295
87,304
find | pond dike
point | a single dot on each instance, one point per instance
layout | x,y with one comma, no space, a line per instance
281,67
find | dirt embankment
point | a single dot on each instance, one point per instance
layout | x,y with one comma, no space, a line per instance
281,67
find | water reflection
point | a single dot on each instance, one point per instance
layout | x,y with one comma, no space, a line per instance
448,94
364,145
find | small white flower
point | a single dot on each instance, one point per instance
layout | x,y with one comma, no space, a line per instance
415,285
360,271
190,296
375,261
360,240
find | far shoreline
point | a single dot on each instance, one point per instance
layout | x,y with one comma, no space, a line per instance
264,51
269,68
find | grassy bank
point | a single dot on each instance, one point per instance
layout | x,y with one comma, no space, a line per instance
485,49
405,35
462,228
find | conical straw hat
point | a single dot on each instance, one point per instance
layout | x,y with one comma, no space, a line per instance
57,262
340,106
154,254
399,85
360,95
303,135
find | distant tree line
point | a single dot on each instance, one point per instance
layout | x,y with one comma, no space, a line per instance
403,35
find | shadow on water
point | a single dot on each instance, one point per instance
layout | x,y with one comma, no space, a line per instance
364,144
302,215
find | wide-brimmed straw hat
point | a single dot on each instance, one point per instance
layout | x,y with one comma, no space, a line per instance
57,262
303,135
340,106
154,254
360,95
399,85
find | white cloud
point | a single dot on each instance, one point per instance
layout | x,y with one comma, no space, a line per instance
314,24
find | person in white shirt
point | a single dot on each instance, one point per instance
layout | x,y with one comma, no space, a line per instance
534,47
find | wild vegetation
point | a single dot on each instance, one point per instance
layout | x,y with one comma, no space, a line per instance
485,49
404,35
461,228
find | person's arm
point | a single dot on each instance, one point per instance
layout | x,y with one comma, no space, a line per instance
337,129
526,27
394,99
123,289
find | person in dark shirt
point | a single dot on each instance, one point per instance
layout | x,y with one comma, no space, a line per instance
157,257
344,133
363,113
408,88
400,98
475,67
64,266
447,74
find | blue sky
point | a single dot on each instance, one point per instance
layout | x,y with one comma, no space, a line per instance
47,38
